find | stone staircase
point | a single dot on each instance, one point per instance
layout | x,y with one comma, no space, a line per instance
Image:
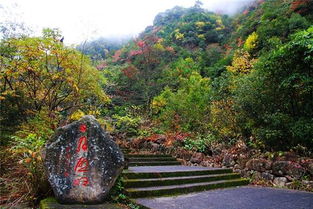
151,160
162,175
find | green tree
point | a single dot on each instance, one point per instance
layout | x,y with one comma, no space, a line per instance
187,109
277,98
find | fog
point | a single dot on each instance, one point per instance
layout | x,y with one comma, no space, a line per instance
81,20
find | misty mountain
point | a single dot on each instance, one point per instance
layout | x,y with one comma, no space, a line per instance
101,47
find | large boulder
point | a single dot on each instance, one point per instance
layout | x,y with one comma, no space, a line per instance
260,165
282,168
82,162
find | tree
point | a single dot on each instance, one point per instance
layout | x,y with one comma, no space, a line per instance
41,73
276,98
186,109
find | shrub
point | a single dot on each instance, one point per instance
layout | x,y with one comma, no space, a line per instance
127,124
251,42
200,143
187,109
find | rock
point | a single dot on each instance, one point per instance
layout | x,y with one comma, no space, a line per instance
309,183
242,161
251,173
260,165
197,157
82,162
289,156
228,160
183,154
236,170
169,150
289,178
146,145
237,167
215,165
267,176
307,163
206,164
154,147
216,151
280,181
257,175
161,139
293,169
138,143
280,167
188,163
310,169
244,173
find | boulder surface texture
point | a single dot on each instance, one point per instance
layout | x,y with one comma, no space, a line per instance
82,162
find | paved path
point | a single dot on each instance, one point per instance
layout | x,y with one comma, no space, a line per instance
247,197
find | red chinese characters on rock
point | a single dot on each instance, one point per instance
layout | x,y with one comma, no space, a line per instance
83,128
82,163
82,144
81,181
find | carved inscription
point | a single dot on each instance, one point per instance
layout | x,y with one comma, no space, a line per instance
82,164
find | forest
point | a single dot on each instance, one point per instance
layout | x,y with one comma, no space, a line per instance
199,79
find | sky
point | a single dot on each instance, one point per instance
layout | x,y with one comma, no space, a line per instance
81,20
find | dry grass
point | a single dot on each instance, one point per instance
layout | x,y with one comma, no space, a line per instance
17,183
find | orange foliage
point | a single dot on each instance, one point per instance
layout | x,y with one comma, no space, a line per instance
300,6
116,56
240,42
261,1
102,65
130,71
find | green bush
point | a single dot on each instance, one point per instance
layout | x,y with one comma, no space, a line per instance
187,109
127,124
200,143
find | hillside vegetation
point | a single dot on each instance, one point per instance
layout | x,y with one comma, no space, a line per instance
244,77
197,77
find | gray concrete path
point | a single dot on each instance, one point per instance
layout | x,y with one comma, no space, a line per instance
248,197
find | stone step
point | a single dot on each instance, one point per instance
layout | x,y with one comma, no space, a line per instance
125,151
136,159
181,189
145,155
135,183
170,171
154,163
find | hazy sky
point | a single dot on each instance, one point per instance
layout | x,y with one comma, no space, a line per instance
80,19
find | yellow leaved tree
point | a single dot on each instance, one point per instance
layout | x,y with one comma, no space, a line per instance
42,73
